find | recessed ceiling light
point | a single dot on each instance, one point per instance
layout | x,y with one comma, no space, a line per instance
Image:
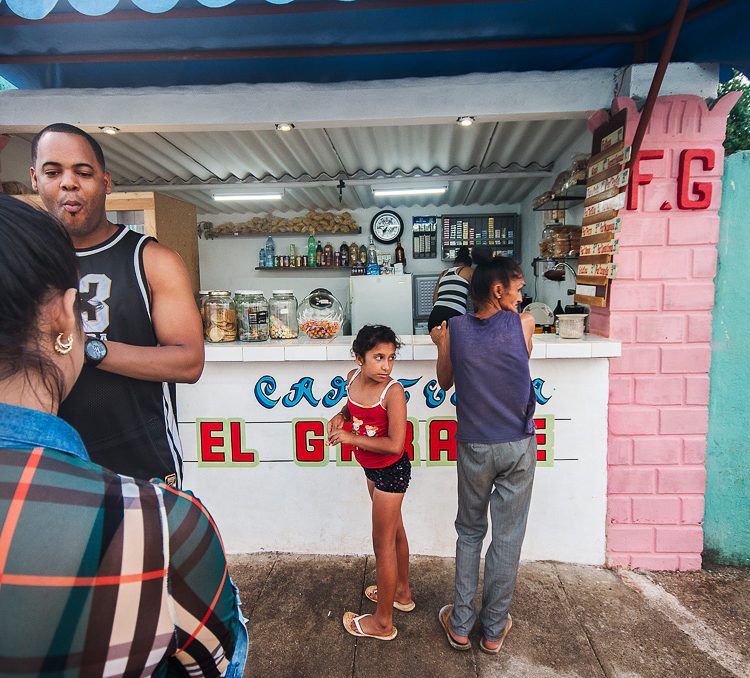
465,121
427,190
284,126
231,197
109,129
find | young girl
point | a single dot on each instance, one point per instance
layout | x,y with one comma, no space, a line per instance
374,422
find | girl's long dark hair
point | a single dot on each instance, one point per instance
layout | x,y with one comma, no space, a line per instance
37,260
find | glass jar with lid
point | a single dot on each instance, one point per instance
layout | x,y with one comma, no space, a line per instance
219,317
252,315
320,314
199,299
282,311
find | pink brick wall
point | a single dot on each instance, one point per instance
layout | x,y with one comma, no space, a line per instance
660,308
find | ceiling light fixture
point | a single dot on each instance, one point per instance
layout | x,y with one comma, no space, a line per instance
109,129
232,197
284,126
465,121
427,190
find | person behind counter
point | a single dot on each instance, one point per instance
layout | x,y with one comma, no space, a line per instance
452,290
144,329
496,445
101,574
377,431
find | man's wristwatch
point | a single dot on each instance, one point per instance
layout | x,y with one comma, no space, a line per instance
95,351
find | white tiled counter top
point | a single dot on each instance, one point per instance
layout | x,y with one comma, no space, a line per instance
414,347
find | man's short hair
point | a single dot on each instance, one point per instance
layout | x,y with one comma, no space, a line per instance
65,128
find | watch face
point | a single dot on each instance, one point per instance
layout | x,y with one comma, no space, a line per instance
95,350
387,227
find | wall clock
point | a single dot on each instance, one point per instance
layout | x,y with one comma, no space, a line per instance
387,227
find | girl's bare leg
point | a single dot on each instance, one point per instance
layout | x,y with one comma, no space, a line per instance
403,592
386,518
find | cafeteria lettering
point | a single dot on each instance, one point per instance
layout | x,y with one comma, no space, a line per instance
221,443
434,396
686,188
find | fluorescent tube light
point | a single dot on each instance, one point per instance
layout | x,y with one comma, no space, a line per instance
427,190
232,197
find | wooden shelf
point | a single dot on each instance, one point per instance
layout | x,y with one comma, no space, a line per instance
566,199
305,269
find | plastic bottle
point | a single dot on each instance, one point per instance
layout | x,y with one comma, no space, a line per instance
270,251
353,254
292,254
372,254
319,254
362,254
311,250
344,254
328,255
262,258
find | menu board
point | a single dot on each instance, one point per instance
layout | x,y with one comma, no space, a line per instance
606,190
500,232
424,237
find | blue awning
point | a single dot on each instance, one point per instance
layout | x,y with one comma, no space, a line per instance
136,43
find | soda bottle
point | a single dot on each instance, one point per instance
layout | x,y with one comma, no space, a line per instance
311,250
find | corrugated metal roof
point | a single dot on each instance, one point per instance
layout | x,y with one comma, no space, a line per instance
308,163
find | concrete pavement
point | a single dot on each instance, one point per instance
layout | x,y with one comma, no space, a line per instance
569,621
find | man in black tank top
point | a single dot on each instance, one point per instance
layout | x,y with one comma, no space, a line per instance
142,322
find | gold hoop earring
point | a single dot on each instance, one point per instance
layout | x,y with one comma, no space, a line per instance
63,347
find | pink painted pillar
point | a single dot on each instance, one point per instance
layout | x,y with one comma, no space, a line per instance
660,308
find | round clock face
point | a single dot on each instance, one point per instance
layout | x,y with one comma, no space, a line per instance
386,227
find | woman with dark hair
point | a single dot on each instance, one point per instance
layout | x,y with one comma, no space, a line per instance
452,289
101,574
486,354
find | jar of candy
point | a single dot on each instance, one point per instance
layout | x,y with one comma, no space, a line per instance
282,310
252,315
219,317
320,314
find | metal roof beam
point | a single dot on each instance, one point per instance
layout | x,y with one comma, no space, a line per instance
432,179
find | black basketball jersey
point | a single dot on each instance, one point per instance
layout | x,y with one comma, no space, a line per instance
128,425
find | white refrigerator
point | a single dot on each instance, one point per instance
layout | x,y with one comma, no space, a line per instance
381,300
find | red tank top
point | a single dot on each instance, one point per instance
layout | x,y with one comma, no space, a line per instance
372,421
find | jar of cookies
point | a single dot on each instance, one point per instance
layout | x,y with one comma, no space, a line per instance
252,315
219,317
282,310
199,299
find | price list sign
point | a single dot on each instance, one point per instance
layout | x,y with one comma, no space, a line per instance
606,190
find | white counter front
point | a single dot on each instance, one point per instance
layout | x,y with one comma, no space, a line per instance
254,447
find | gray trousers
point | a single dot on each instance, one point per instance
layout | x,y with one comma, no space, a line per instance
500,475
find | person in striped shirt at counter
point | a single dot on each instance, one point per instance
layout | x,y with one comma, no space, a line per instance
451,294
100,574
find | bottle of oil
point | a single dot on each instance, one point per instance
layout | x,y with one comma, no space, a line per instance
400,255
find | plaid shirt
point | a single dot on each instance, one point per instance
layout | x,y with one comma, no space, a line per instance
103,575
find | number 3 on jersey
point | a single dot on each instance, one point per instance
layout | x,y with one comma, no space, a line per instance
99,295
